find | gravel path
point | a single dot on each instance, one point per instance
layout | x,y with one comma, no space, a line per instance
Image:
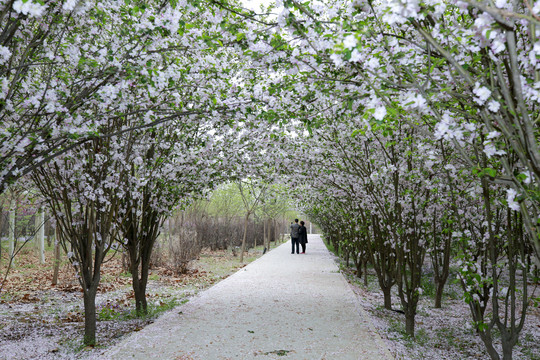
281,306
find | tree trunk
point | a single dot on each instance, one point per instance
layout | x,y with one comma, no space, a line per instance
56,261
365,274
254,240
441,268
387,291
12,232
244,238
90,315
493,354
438,294
264,235
409,322
139,287
358,265
49,231
40,234
126,266
269,235
507,349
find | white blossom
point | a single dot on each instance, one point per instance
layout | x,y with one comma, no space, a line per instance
350,42
29,8
5,54
527,179
493,134
482,94
510,198
373,63
536,7
379,113
69,5
413,101
355,56
493,106
337,59
490,149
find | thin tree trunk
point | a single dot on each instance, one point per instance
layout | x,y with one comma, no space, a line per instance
269,228
49,231
12,232
409,321
365,274
56,261
274,231
244,238
508,343
40,234
90,315
139,288
387,292
493,354
265,235
439,293
442,271
255,240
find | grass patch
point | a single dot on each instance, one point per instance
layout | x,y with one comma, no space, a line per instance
428,285
329,246
397,327
352,277
112,311
125,274
451,292
421,337
446,337
73,345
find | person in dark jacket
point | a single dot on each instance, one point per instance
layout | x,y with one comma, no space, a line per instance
294,235
302,236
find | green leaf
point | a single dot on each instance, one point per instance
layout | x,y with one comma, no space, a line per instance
490,172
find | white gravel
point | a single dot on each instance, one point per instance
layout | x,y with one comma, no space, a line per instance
281,306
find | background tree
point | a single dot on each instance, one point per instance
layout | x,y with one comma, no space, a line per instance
83,197
251,192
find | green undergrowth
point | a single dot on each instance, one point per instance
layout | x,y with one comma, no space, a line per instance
329,245
114,311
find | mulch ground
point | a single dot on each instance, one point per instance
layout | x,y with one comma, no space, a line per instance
39,320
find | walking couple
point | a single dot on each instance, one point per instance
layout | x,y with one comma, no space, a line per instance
298,236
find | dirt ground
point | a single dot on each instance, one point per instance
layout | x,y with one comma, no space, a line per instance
445,333
42,321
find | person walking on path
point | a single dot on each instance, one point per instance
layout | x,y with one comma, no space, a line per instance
294,236
302,236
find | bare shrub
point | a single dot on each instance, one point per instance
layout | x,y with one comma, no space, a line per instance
183,248
210,232
219,234
158,257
